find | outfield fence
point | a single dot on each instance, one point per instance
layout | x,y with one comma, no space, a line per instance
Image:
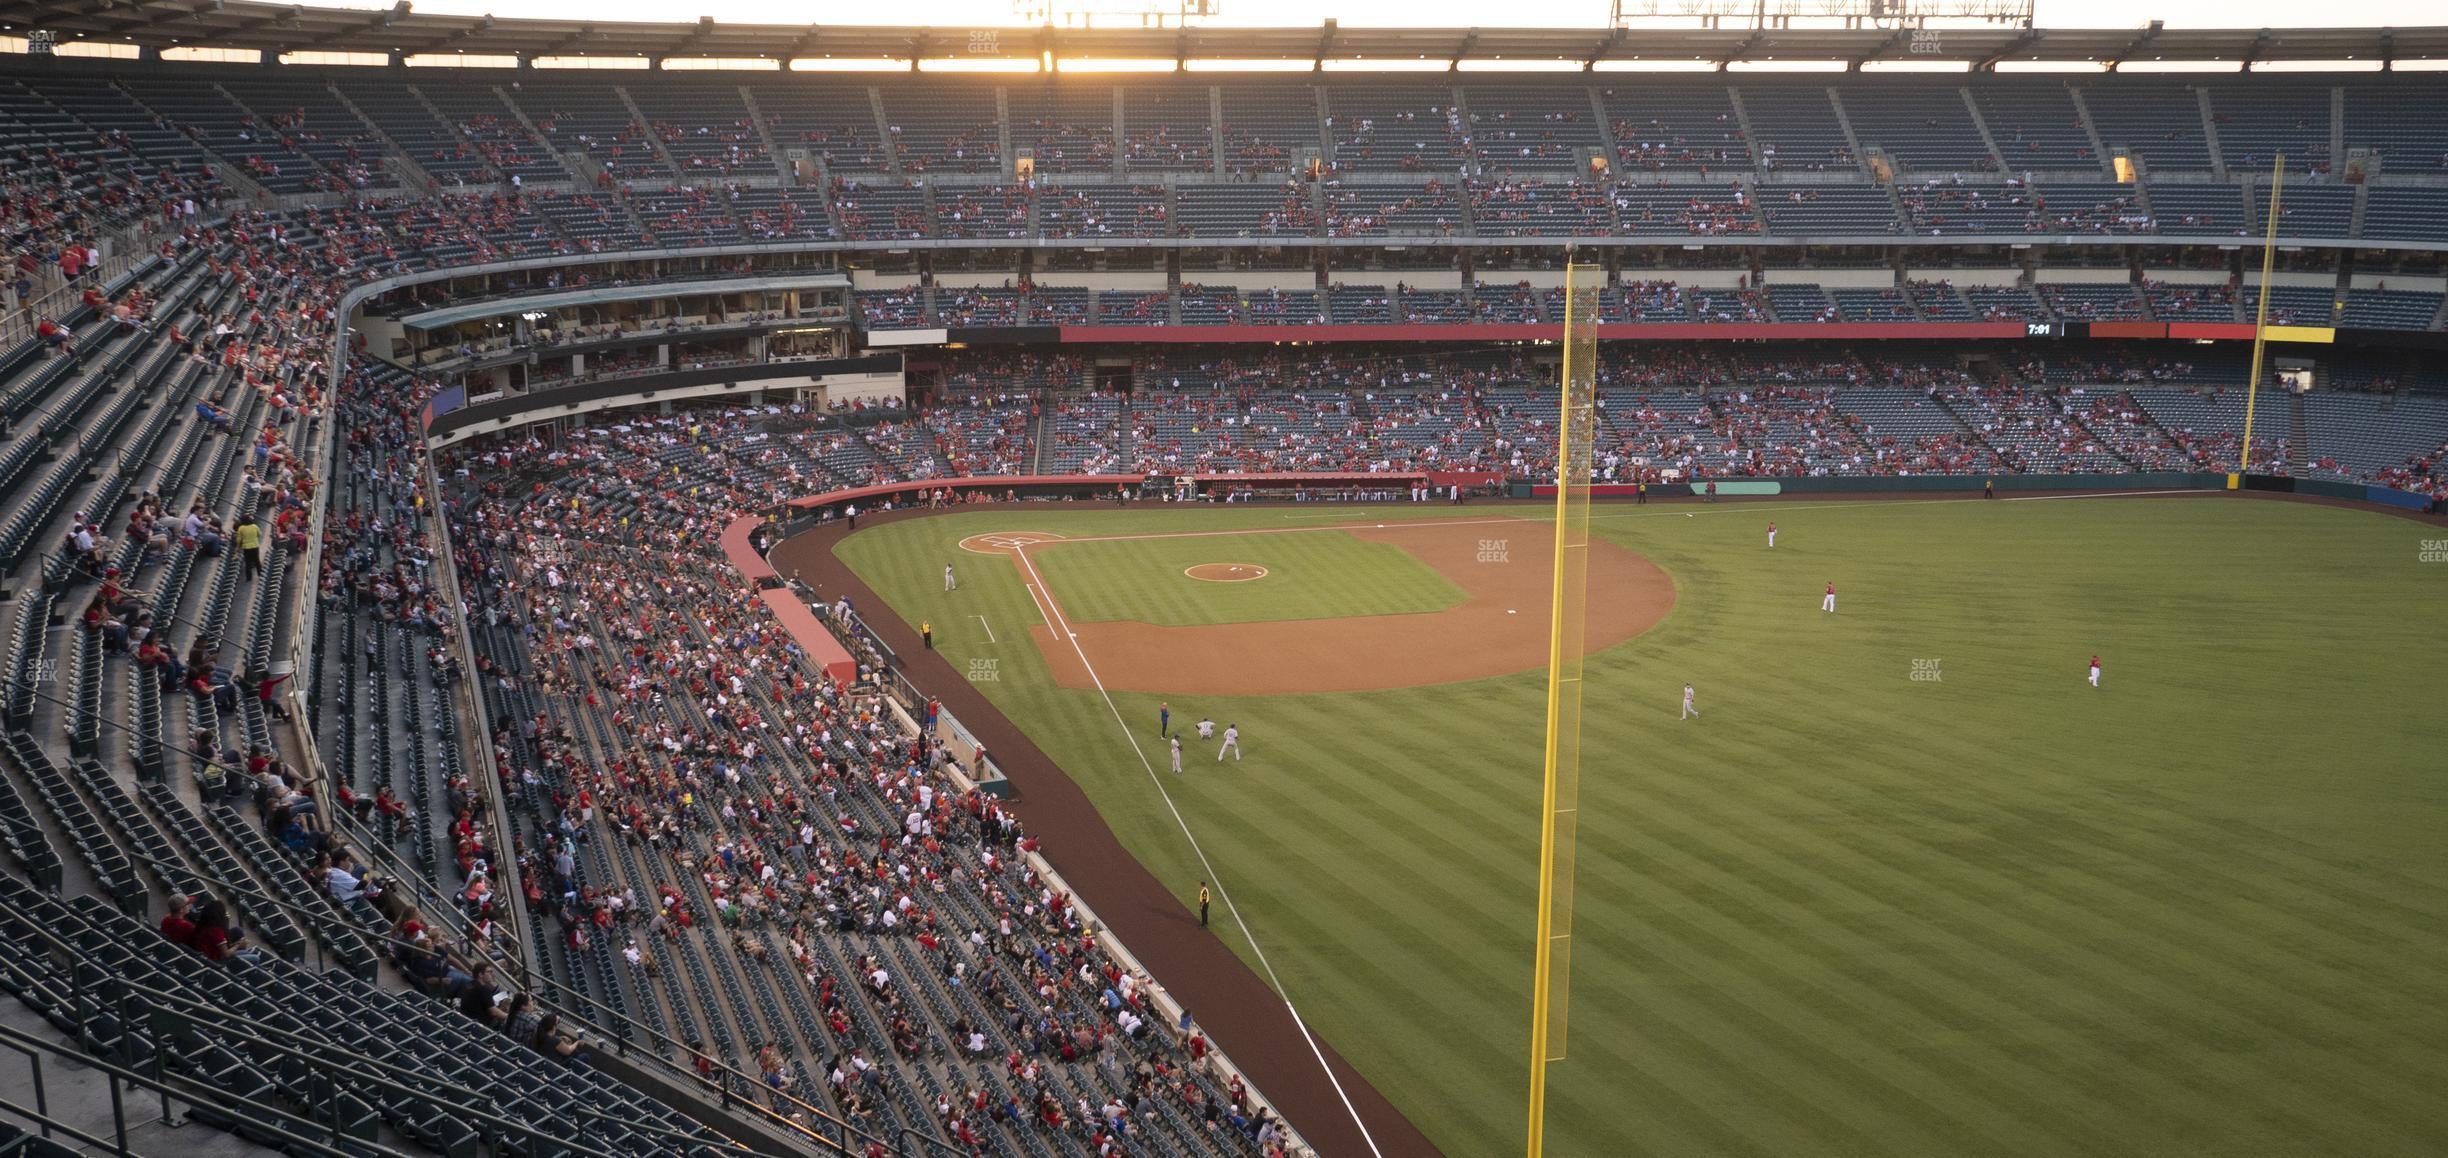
2004,483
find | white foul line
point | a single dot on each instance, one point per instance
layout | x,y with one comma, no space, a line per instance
1062,629
990,636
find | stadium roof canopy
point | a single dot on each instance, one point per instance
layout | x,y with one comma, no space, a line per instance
402,31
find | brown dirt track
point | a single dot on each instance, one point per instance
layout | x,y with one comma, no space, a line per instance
1236,1008
1499,630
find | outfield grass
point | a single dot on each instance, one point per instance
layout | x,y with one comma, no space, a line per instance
1316,575
2200,910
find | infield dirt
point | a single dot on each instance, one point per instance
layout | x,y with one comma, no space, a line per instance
1500,629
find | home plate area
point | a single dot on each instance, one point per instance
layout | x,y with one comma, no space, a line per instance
1000,542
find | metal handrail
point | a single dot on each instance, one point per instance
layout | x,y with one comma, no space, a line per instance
398,869
619,1043
497,805
126,248
267,1118
409,1083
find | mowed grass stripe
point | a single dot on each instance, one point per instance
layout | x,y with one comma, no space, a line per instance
1739,903
2129,841
1747,1019
2190,912
2171,983
1342,946
2151,857
1925,1002
2153,996
1928,961
2154,840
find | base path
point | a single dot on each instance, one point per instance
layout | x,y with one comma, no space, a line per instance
1239,1012
1506,566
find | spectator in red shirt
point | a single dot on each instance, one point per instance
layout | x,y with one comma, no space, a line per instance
212,934
176,928
55,336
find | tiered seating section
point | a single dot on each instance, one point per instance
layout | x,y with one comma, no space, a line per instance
186,408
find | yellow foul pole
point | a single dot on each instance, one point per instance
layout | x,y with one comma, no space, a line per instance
1551,976
2269,263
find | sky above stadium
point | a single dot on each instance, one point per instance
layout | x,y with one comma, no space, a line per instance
1411,13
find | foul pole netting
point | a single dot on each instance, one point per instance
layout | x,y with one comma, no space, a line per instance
1551,983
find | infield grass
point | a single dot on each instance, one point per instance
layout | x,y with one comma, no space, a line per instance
2201,910
1313,575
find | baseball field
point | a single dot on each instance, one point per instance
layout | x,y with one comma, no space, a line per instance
1909,885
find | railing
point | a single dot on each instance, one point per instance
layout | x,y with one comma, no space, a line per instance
295,1134
463,695
804,1120
432,902
92,991
18,325
856,635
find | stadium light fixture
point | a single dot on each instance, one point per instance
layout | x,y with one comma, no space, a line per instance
594,63
2050,66
1112,64
2316,66
2180,66
1383,64
337,59
720,64
976,64
1916,66
1789,64
1245,64
1526,64
849,64
1654,66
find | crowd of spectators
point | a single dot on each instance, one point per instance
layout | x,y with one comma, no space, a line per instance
788,826
759,813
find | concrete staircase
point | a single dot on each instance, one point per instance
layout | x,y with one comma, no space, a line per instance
646,129
2299,440
764,132
2099,148
397,158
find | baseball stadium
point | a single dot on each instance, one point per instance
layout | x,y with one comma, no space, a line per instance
1713,578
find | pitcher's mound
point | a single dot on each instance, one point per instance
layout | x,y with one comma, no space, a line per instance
1226,572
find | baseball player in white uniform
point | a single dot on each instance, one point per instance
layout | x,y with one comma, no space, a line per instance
1688,710
950,583
1177,755
1829,603
1232,743
2095,671
1772,536
1206,728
